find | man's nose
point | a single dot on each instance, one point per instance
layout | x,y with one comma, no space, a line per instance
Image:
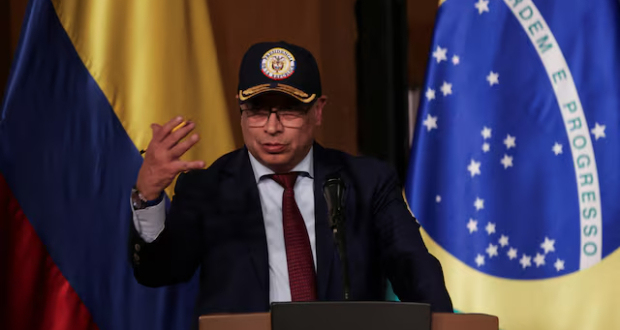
273,124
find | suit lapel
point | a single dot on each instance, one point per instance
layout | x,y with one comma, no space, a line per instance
245,187
323,167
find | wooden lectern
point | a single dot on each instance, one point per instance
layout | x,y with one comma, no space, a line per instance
349,316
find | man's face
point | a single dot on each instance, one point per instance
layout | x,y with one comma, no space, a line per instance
280,144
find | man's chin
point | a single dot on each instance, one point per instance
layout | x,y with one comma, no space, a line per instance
277,162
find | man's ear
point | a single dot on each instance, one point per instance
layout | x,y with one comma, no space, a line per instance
318,109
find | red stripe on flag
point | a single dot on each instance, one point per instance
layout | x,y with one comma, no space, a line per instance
33,292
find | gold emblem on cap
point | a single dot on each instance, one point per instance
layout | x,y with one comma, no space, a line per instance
290,90
278,63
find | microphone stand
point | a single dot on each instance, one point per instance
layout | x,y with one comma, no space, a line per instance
338,229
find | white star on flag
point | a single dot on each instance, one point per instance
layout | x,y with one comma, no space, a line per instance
446,88
493,78
492,250
440,54
479,260
490,228
510,142
526,261
430,122
479,204
430,94
598,131
557,149
503,241
438,199
486,133
512,253
486,147
539,260
474,168
472,225
548,245
456,60
559,264
507,161
482,6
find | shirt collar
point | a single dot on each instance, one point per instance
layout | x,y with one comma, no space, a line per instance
306,166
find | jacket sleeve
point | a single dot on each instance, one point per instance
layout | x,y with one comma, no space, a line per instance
415,274
174,255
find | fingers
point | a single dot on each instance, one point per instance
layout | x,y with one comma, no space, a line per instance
176,135
167,144
161,132
181,148
161,163
182,166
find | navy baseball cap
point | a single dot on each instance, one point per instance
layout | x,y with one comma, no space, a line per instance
279,67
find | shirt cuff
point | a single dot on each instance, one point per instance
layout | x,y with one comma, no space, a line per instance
149,222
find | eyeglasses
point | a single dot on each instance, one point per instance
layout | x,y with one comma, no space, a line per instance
291,117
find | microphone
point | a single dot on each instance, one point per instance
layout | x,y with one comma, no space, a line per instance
333,191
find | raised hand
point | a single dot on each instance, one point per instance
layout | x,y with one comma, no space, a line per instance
162,160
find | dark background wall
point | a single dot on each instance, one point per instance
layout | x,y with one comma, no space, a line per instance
327,28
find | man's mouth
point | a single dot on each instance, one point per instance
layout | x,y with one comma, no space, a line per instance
273,148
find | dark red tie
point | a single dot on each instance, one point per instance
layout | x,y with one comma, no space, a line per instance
301,275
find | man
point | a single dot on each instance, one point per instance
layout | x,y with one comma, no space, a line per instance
256,221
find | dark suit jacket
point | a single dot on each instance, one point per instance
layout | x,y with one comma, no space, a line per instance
215,222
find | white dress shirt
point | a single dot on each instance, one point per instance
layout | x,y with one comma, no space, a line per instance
149,222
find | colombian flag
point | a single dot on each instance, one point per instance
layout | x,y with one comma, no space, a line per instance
89,77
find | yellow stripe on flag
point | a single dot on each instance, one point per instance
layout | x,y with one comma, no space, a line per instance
153,60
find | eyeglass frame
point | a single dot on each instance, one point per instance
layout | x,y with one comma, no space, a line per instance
276,110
